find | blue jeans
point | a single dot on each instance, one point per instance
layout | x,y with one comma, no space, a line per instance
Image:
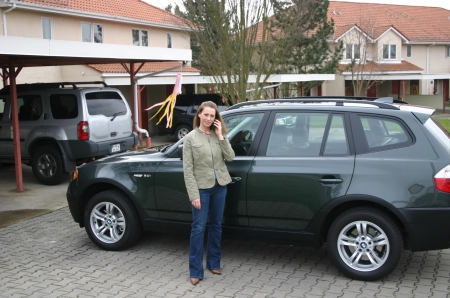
212,201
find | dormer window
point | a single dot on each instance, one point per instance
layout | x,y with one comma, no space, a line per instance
352,51
389,51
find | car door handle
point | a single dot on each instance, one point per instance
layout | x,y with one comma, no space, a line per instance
235,179
330,181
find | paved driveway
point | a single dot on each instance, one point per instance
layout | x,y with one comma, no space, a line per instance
50,256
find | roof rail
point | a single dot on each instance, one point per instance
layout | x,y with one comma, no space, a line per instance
56,85
316,99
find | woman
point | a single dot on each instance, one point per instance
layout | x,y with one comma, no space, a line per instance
206,177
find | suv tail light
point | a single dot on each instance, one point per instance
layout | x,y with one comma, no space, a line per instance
442,179
83,131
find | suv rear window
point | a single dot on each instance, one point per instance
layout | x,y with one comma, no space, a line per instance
106,103
63,106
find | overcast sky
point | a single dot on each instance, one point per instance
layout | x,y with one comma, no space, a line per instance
436,3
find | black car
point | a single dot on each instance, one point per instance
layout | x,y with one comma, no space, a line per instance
184,111
369,178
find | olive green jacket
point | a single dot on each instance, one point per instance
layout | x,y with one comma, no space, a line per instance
201,158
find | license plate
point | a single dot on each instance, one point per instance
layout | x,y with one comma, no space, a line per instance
115,148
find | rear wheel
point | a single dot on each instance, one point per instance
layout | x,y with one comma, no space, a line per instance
111,221
48,166
365,244
182,131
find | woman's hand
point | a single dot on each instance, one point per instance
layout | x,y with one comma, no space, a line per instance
218,128
196,204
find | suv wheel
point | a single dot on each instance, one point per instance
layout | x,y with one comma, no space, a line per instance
182,131
48,166
365,244
111,221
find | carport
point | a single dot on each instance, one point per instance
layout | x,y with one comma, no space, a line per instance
19,52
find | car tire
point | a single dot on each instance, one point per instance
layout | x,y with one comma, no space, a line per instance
182,131
47,165
111,221
352,244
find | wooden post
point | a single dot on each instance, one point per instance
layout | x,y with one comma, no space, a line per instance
15,126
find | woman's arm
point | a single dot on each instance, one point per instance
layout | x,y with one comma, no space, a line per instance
188,168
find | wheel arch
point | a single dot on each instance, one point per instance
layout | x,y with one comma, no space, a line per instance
103,185
323,219
69,165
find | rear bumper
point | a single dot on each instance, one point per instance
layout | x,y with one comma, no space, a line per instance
76,149
428,228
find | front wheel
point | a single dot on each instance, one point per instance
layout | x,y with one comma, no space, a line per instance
365,244
182,131
111,221
47,165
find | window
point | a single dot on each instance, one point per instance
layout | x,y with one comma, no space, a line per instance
352,51
389,51
383,133
169,40
30,107
63,106
140,37
46,28
92,32
2,108
105,103
242,130
408,52
303,135
447,51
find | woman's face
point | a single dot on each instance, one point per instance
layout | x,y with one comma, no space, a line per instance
207,116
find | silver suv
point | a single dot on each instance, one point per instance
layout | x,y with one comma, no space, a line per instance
63,125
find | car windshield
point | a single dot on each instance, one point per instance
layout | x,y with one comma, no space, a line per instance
106,103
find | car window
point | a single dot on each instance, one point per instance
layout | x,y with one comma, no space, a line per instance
30,107
2,108
108,103
383,133
63,106
336,143
297,134
242,130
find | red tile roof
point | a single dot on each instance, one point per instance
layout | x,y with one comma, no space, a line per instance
133,9
416,23
372,67
148,67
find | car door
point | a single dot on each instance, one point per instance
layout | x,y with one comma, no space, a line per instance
2,127
305,160
171,196
31,123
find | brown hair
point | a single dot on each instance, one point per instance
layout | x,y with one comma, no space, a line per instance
209,104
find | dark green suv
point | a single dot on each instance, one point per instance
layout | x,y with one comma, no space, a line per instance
369,178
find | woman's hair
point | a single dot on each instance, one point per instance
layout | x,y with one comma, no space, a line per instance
209,104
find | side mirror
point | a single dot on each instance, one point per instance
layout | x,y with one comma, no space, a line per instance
180,151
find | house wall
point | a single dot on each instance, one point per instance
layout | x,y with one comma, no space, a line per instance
24,23
336,87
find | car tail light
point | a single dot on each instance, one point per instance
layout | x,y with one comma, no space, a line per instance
83,131
442,179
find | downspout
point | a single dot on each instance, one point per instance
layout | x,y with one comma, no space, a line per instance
428,66
5,32
136,106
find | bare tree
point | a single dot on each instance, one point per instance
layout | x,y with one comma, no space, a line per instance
364,52
239,38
